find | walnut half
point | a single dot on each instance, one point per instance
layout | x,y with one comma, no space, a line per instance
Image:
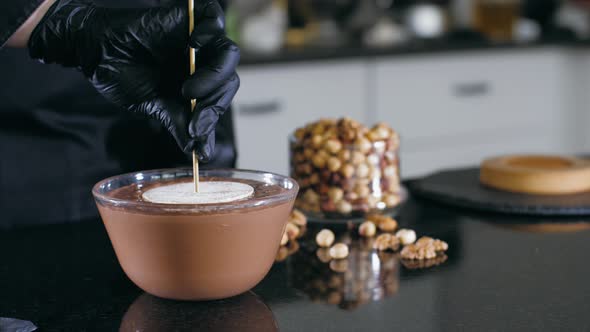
424,248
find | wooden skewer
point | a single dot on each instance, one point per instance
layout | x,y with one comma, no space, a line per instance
191,26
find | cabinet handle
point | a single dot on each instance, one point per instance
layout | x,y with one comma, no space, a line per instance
273,106
471,89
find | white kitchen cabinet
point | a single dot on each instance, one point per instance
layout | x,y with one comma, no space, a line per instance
454,110
274,100
578,92
451,110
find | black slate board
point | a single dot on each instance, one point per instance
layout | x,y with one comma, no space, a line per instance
461,188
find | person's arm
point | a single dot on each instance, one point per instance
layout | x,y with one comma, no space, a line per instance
21,37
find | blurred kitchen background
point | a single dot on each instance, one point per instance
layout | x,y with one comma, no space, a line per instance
460,80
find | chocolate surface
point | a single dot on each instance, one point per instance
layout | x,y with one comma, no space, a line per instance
134,192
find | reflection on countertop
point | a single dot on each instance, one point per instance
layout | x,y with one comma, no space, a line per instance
246,312
365,275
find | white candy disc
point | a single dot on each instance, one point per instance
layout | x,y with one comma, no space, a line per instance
209,192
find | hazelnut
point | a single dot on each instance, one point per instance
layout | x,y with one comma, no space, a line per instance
304,169
363,145
284,239
335,194
379,132
325,238
344,207
329,133
299,134
391,200
323,254
372,202
392,185
373,159
314,179
347,134
406,236
367,229
357,158
282,254
292,231
333,146
311,197
388,225
293,247
316,141
335,178
303,182
298,218
351,196
328,206
318,161
334,164
347,184
298,157
362,190
339,251
362,171
390,171
376,218
344,155
308,153
317,129
347,170
390,155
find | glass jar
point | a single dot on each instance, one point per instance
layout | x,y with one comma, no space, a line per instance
345,169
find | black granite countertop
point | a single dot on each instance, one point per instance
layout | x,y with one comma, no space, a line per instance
417,47
502,274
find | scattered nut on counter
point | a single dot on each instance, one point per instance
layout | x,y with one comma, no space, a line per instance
284,239
386,241
425,248
384,223
298,218
388,225
345,168
406,236
367,229
292,231
325,238
282,254
339,251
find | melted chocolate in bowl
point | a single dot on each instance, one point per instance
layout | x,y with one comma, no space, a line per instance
195,251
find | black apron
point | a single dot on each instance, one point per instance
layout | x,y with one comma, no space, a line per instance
58,137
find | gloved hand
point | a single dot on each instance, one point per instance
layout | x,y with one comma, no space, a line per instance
138,59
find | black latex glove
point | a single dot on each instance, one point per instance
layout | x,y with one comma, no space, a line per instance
138,59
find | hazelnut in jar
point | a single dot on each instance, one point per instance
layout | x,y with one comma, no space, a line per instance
344,168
